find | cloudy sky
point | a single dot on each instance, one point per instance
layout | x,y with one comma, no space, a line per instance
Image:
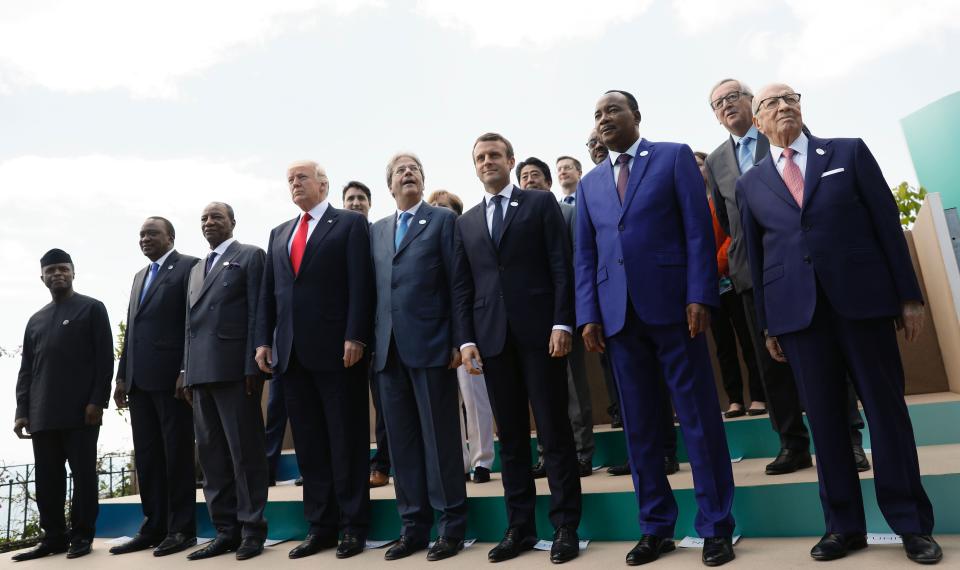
112,110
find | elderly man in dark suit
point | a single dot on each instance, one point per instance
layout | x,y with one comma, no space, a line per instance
150,362
314,322
832,275
514,303
62,389
224,384
416,363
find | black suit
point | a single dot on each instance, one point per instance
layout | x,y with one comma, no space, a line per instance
305,318
507,298
150,363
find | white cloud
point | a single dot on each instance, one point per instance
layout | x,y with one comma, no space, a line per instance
145,48
535,23
697,16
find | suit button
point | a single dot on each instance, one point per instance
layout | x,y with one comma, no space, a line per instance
806,259
806,228
620,227
620,260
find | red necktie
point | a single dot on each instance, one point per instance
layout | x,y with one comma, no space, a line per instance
299,244
623,176
792,176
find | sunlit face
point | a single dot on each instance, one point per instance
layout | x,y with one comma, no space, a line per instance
735,116
492,164
617,123
308,185
567,173
779,120
356,199
532,178
406,179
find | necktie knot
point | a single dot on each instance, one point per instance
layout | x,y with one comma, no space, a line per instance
789,153
405,217
623,159
569,200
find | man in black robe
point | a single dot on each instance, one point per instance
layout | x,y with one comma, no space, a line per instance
62,389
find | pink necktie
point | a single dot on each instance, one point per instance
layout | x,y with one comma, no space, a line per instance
623,176
792,176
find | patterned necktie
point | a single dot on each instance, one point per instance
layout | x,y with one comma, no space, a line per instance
745,154
402,228
299,244
496,227
154,268
624,175
792,176
571,199
210,259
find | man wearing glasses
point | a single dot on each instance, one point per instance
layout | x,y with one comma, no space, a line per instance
832,274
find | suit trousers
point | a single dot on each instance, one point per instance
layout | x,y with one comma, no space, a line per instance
476,425
729,328
822,356
78,448
232,448
579,406
380,460
164,452
638,353
329,416
515,377
276,426
419,407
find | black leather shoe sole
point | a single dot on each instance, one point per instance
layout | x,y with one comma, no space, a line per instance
451,550
789,466
175,548
78,552
827,554
250,550
500,555
634,558
304,549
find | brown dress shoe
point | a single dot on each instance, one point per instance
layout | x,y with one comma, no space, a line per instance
378,479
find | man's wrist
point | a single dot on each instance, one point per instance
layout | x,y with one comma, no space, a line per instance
466,344
565,328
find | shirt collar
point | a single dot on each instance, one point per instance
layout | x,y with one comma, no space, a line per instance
632,151
506,193
163,258
319,210
800,144
413,211
222,248
751,133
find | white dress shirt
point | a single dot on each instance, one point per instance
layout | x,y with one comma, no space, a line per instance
315,214
218,251
413,212
801,144
614,155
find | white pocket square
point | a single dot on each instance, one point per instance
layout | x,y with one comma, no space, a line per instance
831,172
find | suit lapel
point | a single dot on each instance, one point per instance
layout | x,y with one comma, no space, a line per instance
138,280
324,224
816,164
478,217
730,158
773,180
197,285
516,200
763,149
640,162
417,225
280,246
215,271
162,274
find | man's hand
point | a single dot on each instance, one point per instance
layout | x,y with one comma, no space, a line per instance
352,353
911,320
454,359
560,343
92,415
120,394
593,337
263,357
182,391
253,384
773,347
470,356
698,318
21,424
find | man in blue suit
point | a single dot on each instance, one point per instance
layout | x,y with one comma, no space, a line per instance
646,278
416,361
831,274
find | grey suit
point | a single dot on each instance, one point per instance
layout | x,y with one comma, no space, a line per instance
418,392
228,423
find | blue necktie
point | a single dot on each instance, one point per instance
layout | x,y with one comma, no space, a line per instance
154,267
745,154
496,227
571,199
210,259
402,228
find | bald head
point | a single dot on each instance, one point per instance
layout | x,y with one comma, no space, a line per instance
776,113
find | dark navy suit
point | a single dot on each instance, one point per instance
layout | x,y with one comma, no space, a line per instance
829,279
638,266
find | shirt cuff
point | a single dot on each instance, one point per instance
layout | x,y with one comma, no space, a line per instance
363,344
563,328
466,344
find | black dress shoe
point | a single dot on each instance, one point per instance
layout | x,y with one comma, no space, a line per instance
616,422
835,545
717,550
922,549
860,457
649,549
249,547
298,481
79,547
481,475
670,465
136,544
312,544
350,545
404,547
730,414
539,470
788,461
466,477
566,545
513,543
41,551
619,469
177,542
444,547
221,544
756,411
584,468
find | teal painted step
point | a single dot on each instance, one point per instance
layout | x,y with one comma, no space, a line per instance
748,438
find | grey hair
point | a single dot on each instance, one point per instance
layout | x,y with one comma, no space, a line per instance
393,160
743,87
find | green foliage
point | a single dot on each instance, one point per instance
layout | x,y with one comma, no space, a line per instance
121,335
909,200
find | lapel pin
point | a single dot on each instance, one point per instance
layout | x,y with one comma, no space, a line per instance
514,203
226,263
66,322
821,152
644,152
422,222
329,221
169,267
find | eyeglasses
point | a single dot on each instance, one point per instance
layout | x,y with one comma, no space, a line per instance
717,104
413,168
791,99
593,143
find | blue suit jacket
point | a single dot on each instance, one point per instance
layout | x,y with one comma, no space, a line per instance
847,237
657,249
414,288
